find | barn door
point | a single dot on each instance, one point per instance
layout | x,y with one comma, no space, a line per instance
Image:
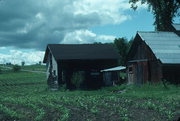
130,75
96,79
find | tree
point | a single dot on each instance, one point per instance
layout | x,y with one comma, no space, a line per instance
122,46
16,68
163,10
22,63
0,70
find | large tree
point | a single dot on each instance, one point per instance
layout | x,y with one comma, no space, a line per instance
163,10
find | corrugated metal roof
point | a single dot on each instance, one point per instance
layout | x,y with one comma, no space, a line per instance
165,45
176,26
118,68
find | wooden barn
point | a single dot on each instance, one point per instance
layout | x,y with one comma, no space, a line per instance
154,56
63,60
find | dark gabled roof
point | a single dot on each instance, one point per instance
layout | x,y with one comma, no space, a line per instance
176,27
164,45
81,51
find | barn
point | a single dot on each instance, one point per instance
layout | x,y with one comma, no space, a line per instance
154,56
63,60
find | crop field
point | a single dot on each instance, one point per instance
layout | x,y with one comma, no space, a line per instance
24,96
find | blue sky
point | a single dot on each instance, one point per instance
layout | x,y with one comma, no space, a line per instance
26,27
140,21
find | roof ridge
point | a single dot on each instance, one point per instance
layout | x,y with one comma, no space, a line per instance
154,32
81,44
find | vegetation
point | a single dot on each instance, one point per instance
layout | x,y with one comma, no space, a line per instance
77,79
0,70
16,68
163,10
22,63
34,67
123,46
24,96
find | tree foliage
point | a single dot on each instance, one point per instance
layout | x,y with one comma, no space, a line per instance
16,68
0,70
122,46
163,10
77,79
22,63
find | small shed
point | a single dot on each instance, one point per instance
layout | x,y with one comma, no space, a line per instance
176,28
64,60
154,56
111,76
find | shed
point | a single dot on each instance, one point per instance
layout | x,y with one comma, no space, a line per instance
63,60
112,75
154,56
176,28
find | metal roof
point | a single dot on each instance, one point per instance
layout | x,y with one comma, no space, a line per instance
118,68
165,45
176,26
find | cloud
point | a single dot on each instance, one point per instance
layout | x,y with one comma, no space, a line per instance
36,23
86,36
17,56
2,48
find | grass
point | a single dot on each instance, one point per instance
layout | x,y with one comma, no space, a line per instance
27,67
34,67
30,99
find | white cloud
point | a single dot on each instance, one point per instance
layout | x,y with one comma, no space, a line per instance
37,23
105,38
109,12
86,36
17,56
2,48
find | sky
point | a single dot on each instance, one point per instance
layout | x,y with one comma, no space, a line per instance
27,26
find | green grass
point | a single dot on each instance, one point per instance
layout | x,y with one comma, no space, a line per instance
34,67
27,67
10,77
36,102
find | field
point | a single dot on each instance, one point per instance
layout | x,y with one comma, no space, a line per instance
28,67
25,97
35,67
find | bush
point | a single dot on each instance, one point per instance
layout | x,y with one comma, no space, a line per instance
77,79
0,70
16,68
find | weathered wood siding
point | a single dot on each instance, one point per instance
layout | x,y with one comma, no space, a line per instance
55,66
48,66
51,60
142,64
